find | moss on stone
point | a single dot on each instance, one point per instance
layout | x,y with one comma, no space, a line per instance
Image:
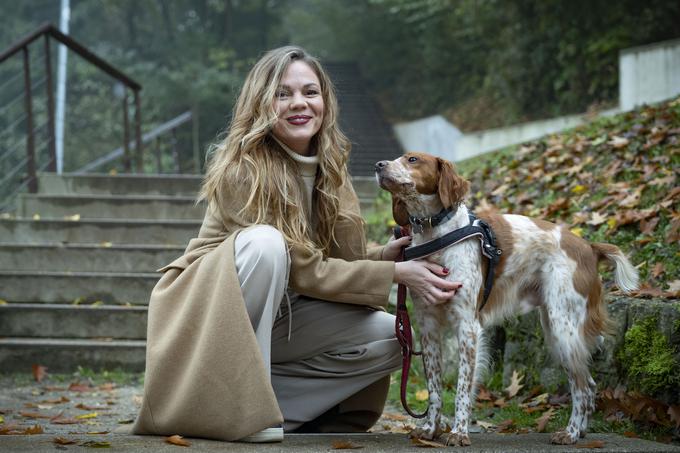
648,359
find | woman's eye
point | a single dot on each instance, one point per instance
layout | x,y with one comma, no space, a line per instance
412,159
312,93
281,94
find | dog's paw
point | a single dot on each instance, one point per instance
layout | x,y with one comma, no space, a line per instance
562,438
456,439
426,431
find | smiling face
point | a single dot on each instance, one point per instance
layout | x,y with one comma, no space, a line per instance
299,106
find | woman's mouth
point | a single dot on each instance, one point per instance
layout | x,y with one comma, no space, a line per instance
298,120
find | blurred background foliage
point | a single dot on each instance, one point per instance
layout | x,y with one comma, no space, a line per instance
481,63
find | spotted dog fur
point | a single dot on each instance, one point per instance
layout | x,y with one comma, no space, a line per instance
543,267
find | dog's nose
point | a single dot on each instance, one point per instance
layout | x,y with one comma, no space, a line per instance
380,165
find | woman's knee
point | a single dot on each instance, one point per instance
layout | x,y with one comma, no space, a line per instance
262,247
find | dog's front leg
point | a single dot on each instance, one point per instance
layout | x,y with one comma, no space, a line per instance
428,319
469,341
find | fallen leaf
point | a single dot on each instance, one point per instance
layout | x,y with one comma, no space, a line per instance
658,269
542,421
591,444
39,372
86,416
96,444
618,142
674,285
78,387
345,445
90,408
665,181
65,421
596,219
515,385
36,216
485,425
34,415
422,395
648,226
506,426
2,419
577,231
630,434
395,417
61,400
64,441
177,440
426,443
72,218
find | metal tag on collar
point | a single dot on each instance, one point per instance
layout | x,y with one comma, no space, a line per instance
417,227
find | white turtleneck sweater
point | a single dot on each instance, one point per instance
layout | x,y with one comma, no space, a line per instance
307,166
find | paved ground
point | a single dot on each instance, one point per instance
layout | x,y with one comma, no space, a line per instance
87,415
301,443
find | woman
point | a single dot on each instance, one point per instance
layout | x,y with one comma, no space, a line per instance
272,316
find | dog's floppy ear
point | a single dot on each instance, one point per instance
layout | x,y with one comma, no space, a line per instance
452,187
399,211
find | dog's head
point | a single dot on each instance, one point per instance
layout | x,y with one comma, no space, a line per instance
420,183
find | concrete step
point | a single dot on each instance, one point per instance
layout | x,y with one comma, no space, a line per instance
123,184
65,355
110,206
66,287
116,231
73,321
87,257
366,186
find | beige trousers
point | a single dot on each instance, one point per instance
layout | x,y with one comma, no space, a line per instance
329,362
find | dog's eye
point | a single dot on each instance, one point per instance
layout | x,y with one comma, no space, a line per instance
412,159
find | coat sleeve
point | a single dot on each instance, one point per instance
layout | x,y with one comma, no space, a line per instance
351,274
364,282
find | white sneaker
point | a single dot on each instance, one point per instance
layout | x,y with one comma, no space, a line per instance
268,435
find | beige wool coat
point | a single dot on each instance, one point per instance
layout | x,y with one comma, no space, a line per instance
205,376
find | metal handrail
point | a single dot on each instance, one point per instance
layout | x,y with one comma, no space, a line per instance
50,31
168,126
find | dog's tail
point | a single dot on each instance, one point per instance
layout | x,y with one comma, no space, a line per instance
625,275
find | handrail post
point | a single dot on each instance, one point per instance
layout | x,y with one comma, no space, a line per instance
138,134
50,107
126,133
175,152
30,145
194,139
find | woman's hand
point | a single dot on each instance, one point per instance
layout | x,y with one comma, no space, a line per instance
393,247
425,281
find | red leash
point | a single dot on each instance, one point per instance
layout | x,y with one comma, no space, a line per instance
403,334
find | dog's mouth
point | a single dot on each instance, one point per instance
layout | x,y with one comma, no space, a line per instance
391,184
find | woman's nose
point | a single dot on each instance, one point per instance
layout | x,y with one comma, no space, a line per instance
297,101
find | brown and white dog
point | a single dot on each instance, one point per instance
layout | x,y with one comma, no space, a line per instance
543,266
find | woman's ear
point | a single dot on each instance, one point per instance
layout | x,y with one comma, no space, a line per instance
399,212
452,187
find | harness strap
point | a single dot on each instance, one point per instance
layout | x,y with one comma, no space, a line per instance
478,228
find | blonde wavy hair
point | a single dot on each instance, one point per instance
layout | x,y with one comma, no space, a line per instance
250,159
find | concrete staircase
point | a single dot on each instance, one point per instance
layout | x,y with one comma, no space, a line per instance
78,261
77,265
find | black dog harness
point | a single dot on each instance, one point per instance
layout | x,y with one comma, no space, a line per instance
476,227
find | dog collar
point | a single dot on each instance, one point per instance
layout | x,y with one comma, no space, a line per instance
418,223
